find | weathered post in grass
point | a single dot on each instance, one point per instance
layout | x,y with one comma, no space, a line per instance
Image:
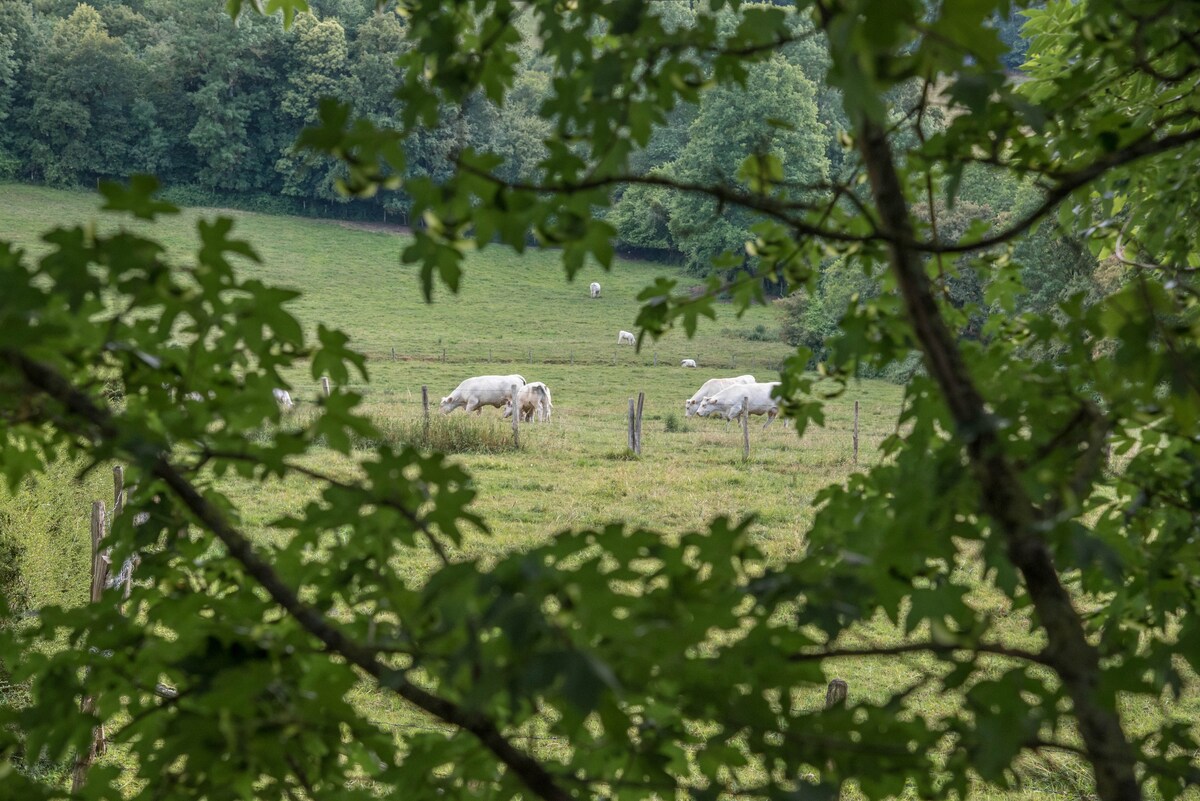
745,428
489,355
425,412
856,432
325,385
572,358
732,361
516,417
637,439
632,442
100,563
443,355
836,693
531,355
656,358
393,354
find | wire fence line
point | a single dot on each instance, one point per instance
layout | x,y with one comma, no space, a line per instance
619,356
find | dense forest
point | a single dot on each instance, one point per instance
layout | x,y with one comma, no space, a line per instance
103,90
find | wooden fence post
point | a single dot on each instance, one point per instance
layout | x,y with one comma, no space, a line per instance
856,432
100,564
443,355
516,417
836,693
638,433
393,354
531,355
118,489
325,385
632,442
656,358
425,410
745,428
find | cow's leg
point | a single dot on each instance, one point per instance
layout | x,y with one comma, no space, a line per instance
770,418
473,406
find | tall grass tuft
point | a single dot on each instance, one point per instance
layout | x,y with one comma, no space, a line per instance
455,433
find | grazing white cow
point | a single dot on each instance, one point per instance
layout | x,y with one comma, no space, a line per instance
534,402
711,387
594,290
480,391
688,363
728,402
625,338
283,398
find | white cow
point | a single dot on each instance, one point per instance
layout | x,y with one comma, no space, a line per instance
728,402
534,401
594,290
711,387
688,363
480,391
625,338
283,398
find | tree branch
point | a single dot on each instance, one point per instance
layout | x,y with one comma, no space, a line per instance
919,647
531,772
1003,495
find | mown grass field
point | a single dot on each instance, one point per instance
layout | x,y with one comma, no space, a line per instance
516,313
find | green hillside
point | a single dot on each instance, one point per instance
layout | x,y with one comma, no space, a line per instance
509,304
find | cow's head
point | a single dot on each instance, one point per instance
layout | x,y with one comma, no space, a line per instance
448,404
508,407
689,407
705,408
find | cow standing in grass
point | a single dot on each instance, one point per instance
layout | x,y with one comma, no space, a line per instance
711,387
594,290
730,402
625,338
484,390
533,400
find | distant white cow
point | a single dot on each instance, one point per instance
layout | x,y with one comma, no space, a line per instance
688,363
594,290
283,398
711,387
728,402
480,391
625,338
534,402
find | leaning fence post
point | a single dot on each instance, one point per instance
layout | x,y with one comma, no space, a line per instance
632,445
325,385
637,439
393,354
425,410
118,489
745,428
856,432
100,563
835,694
516,416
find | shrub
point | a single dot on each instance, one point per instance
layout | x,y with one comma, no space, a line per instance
673,425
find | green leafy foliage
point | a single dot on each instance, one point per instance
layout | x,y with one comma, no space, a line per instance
1047,584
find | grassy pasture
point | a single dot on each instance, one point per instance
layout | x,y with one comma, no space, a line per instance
517,314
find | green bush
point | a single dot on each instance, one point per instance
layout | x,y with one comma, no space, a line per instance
673,425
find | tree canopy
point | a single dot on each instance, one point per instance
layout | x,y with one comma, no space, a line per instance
618,662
